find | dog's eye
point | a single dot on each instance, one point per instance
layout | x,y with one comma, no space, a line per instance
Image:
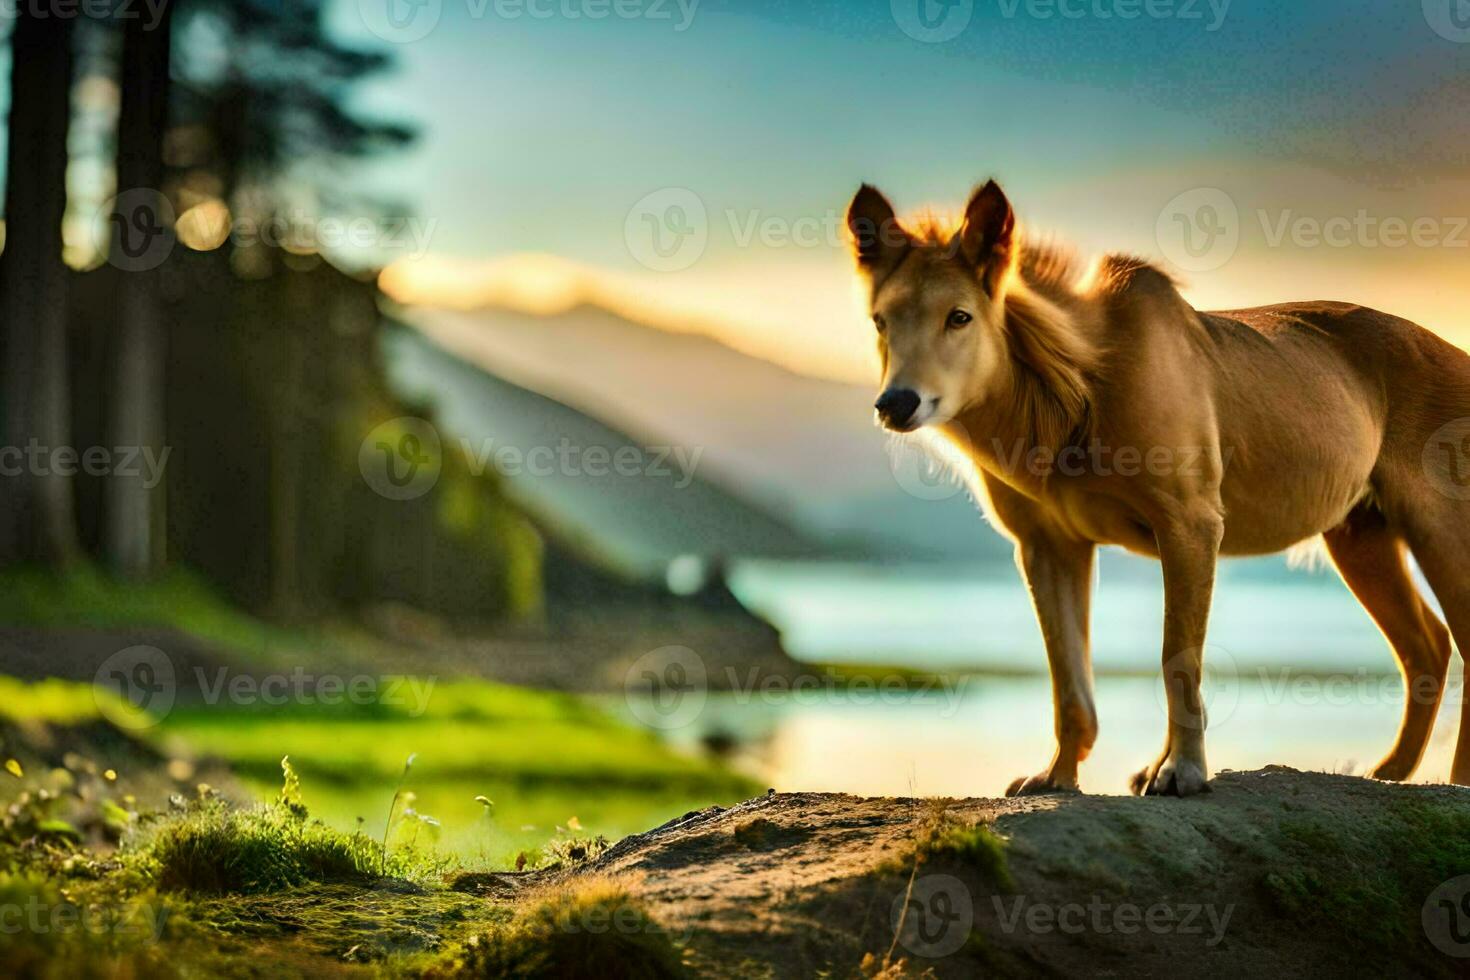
880,323
957,319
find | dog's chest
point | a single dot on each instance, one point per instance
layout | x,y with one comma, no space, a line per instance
1101,518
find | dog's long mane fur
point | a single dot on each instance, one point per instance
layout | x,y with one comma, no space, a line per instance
1053,360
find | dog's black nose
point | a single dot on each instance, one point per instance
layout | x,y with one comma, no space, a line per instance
896,407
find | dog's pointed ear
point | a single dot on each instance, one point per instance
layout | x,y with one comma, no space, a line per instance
987,237
877,238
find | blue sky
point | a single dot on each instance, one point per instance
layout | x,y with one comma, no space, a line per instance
537,128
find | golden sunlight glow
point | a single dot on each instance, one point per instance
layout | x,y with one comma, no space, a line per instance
205,226
802,316
543,285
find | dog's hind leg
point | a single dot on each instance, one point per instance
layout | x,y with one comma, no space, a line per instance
1438,531
1370,557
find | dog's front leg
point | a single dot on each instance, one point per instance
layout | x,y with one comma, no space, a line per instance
1059,575
1189,548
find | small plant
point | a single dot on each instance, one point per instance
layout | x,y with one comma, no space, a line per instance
487,813
290,797
561,853
399,794
210,847
940,836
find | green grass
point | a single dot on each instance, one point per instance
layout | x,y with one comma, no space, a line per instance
84,596
217,850
542,757
975,846
942,839
52,701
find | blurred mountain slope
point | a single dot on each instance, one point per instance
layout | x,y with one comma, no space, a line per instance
561,464
802,450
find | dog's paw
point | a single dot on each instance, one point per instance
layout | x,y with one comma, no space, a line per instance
1040,784
1171,776
1393,769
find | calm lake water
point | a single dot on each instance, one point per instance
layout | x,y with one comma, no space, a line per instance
981,618
973,738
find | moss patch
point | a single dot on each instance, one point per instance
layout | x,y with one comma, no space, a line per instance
943,839
592,929
1366,883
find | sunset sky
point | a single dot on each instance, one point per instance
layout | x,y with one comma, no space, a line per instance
1350,110
1319,148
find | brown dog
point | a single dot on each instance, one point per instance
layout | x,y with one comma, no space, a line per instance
1100,408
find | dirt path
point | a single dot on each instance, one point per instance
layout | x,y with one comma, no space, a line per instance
1276,872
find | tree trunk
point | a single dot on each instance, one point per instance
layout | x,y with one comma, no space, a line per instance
134,518
37,508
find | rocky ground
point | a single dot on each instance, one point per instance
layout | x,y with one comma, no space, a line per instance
1276,872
